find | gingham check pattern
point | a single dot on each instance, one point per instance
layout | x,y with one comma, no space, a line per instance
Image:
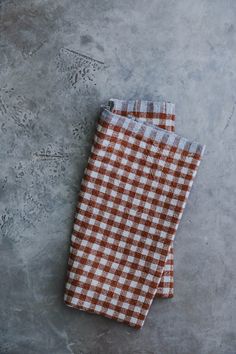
161,114
132,197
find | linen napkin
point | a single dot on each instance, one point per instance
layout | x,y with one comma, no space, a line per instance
132,197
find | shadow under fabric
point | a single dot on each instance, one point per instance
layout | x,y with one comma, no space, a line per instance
132,197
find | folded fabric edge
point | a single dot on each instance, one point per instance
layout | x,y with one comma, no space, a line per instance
150,130
136,326
142,106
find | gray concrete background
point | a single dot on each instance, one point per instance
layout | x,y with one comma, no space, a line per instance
183,51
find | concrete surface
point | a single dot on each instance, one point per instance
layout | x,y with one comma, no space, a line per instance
59,61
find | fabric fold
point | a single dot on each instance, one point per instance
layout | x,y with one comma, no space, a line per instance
132,197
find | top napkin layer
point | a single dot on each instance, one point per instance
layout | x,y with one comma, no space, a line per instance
132,197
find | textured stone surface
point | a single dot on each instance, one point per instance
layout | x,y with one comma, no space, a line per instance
59,61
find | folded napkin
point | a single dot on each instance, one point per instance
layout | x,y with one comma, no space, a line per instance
132,197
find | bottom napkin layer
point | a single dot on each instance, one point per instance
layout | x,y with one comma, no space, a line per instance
132,197
161,114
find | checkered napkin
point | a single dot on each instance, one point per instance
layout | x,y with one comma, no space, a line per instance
132,197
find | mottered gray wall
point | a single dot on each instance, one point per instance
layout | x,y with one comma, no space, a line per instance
59,61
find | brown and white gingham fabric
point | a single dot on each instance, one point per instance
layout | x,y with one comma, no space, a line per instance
132,197
161,114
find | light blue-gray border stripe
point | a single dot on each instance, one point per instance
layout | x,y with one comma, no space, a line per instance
152,131
131,105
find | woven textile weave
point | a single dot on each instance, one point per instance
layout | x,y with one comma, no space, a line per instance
132,197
